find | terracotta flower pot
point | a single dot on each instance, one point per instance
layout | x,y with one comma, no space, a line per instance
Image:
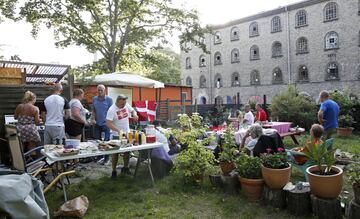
252,188
356,189
276,178
227,167
344,132
325,186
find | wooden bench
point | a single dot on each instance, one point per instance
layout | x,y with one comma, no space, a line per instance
292,135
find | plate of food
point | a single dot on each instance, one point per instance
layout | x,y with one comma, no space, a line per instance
108,146
67,152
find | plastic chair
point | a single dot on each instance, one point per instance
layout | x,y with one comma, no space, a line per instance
308,163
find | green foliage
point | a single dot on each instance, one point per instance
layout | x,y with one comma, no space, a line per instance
322,157
289,106
343,100
346,121
275,161
354,173
217,116
249,167
228,145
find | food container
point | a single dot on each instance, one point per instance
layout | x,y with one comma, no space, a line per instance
150,130
71,143
150,139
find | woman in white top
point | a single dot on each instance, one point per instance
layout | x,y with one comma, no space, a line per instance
75,124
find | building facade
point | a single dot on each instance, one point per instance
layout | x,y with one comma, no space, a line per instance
314,45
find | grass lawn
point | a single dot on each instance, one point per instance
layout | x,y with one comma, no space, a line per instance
126,197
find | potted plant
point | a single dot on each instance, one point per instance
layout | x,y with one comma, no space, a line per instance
345,123
275,169
249,169
354,178
325,179
228,146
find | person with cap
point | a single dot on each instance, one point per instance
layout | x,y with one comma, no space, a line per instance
117,119
328,114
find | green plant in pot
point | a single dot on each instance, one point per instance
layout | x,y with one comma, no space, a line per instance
354,178
275,169
249,170
325,179
229,148
345,123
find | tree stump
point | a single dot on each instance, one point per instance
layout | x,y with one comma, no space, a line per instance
230,184
353,212
274,197
326,208
298,201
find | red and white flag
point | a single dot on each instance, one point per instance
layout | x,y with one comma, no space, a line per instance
146,110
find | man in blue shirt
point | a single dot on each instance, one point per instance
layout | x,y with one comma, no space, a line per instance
101,104
328,114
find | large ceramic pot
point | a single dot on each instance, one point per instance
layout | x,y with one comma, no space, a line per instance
276,178
325,186
344,132
356,189
252,187
227,167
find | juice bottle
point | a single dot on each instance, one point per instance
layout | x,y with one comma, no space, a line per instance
136,136
143,138
130,137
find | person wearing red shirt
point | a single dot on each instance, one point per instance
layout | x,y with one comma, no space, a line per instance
260,113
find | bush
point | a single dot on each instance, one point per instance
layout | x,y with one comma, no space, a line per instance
229,146
275,161
344,101
249,167
289,106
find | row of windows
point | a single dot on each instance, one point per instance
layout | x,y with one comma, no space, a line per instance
301,20
332,73
302,46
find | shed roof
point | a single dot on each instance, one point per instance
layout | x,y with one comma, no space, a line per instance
38,73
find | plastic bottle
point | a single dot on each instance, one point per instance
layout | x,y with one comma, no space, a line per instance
130,137
143,138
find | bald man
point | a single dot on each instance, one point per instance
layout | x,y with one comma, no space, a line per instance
328,114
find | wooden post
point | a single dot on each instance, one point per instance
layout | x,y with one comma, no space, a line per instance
299,202
196,109
326,208
231,184
353,212
274,197
168,108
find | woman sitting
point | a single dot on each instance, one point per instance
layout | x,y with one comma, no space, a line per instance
255,131
316,133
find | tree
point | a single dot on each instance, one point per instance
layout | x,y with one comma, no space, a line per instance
108,26
7,8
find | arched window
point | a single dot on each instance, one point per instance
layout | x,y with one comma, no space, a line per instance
331,11
276,49
219,100
302,46
275,24
303,74
188,63
277,77
235,79
253,29
331,40
254,52
255,78
332,71
301,18
235,56
218,81
202,61
188,81
217,58
234,34
217,38
202,81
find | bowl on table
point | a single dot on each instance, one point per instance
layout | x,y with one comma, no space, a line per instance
71,143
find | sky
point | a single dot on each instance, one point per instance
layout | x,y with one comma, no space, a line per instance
15,38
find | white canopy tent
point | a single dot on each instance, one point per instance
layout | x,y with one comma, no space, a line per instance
127,79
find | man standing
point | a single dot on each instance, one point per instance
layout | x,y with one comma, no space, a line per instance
249,116
328,114
57,108
101,105
117,119
260,113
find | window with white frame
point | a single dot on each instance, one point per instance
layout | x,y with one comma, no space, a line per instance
277,77
332,71
202,61
331,11
253,29
301,18
331,40
217,58
276,49
188,63
235,79
202,81
254,53
188,81
235,56
234,34
275,24
303,74
217,38
218,81
254,77
302,45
